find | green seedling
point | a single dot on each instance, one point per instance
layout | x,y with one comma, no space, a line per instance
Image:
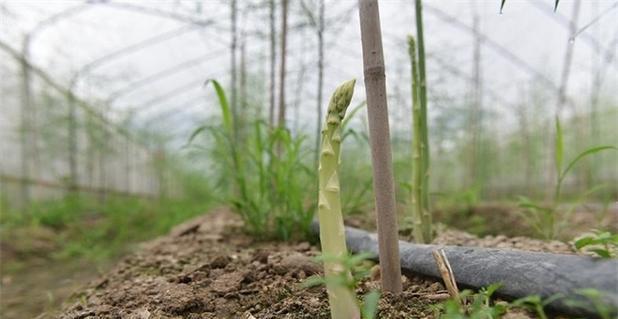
354,268
603,243
472,305
480,305
543,218
535,304
593,297
420,155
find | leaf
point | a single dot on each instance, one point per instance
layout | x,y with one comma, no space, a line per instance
555,5
585,153
314,281
502,6
195,134
559,147
527,301
491,289
527,203
552,298
225,107
356,259
583,242
370,304
601,252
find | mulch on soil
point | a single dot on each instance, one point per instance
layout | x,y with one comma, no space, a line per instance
208,268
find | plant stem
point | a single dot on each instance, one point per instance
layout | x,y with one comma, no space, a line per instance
332,233
424,138
417,177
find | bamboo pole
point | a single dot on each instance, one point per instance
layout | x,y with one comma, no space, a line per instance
377,110
320,35
233,69
283,53
273,57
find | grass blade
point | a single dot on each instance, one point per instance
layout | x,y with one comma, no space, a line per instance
225,106
559,147
195,134
585,153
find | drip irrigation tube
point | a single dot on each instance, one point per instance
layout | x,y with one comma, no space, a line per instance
520,273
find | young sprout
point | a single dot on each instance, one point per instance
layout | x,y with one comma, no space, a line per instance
332,234
420,210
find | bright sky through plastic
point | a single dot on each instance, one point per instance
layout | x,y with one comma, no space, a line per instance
534,37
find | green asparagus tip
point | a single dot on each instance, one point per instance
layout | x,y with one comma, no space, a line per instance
340,101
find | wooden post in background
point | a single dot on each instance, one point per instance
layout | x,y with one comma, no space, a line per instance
283,53
379,136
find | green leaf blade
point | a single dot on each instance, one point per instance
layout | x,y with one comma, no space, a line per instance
225,106
586,153
559,147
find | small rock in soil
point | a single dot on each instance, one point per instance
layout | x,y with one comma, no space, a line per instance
304,246
220,261
298,262
228,282
261,256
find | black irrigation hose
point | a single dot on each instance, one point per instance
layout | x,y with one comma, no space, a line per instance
521,273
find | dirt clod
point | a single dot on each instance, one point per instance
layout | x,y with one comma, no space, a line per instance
220,261
300,262
228,282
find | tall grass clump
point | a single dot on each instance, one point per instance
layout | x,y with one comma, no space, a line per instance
264,176
332,233
546,219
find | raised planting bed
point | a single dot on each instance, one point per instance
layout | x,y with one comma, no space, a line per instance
208,268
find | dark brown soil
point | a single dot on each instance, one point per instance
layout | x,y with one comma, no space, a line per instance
208,268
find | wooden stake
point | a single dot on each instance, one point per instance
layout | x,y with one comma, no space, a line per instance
377,111
283,52
447,273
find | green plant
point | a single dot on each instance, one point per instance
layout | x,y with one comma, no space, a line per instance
353,270
420,141
267,171
602,243
332,233
86,227
543,218
535,304
480,305
472,305
593,297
